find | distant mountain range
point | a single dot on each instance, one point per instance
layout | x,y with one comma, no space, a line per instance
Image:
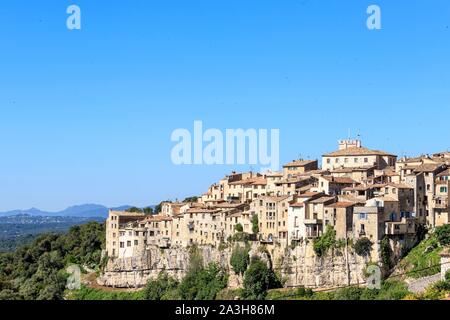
82,211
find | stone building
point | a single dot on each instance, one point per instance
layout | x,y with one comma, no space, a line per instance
352,154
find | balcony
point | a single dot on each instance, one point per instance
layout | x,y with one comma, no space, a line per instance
312,221
406,226
441,204
312,234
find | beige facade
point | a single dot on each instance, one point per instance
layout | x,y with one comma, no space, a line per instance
273,217
297,167
360,193
339,215
352,154
117,221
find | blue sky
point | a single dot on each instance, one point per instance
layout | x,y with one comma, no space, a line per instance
86,116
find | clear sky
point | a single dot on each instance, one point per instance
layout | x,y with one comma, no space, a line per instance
86,116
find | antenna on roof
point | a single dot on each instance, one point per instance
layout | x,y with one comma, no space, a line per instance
349,134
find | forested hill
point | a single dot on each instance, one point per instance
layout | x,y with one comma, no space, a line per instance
19,230
37,271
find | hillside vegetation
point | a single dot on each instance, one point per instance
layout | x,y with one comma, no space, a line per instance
37,271
424,259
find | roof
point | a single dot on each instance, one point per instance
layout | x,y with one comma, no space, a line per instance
274,174
391,184
309,194
200,210
297,205
428,167
127,214
322,199
385,198
341,205
250,181
340,180
358,151
358,188
410,160
299,163
444,173
157,218
227,205
274,198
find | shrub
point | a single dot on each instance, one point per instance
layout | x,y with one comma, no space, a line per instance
304,293
240,237
363,247
325,242
351,293
443,235
238,228
393,290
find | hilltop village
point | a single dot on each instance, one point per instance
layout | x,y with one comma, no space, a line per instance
361,193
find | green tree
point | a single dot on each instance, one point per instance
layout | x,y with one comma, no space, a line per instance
148,210
257,280
240,259
443,235
36,270
135,210
363,247
386,252
238,228
325,242
255,224
157,289
203,284
190,199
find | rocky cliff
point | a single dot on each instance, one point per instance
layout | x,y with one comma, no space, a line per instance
298,266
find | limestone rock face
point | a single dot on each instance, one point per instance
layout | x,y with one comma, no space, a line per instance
298,266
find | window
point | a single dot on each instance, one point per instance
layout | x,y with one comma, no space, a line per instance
122,245
346,160
363,216
128,243
328,160
136,242
356,160
444,190
366,160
